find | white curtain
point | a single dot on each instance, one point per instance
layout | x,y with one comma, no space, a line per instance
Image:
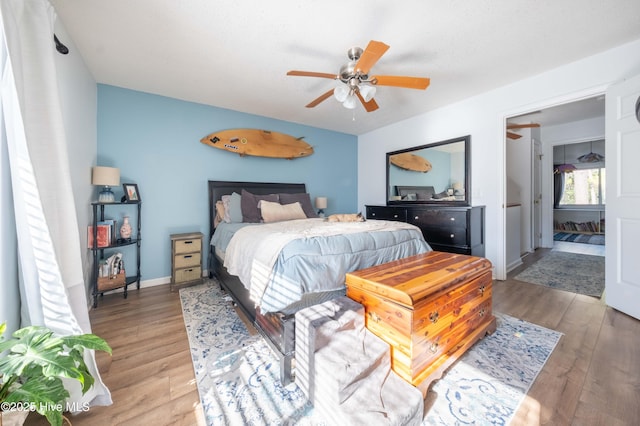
52,283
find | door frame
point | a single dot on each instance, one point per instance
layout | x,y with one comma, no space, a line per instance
501,266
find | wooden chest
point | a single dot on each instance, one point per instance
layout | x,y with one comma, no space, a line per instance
430,308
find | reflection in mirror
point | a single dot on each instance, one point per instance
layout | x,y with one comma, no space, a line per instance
436,173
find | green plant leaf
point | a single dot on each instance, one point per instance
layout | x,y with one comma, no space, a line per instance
47,397
88,341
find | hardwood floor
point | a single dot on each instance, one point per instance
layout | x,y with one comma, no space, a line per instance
591,378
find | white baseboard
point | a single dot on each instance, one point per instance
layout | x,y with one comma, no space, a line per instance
517,262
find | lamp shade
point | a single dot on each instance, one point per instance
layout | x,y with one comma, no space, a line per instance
106,176
367,92
321,202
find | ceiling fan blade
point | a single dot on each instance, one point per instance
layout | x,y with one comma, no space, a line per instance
312,74
319,99
371,55
370,106
522,126
398,81
512,135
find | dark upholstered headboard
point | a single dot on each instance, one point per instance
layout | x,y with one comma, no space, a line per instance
218,188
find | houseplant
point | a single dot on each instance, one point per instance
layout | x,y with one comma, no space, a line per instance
34,364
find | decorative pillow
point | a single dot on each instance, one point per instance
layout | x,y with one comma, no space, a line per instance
219,213
250,209
276,212
232,208
225,208
235,204
304,200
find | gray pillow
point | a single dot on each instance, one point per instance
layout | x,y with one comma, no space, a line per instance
303,198
249,203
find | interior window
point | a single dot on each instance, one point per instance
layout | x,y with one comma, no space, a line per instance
584,187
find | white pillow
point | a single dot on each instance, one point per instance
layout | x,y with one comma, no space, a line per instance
276,212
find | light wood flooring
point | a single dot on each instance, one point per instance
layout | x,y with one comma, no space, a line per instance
591,378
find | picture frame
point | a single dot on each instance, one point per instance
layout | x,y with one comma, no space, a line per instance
131,193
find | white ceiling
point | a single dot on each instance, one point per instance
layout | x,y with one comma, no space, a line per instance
235,54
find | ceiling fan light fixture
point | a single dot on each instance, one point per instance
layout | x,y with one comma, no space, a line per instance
351,102
341,92
367,92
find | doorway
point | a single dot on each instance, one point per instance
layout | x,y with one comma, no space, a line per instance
530,166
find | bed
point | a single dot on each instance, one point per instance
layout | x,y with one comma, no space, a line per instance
305,259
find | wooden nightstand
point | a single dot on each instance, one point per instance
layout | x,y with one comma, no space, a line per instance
186,259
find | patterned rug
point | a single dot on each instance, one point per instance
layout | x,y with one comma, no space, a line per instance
577,273
579,238
237,374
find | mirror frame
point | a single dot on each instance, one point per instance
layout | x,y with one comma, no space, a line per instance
467,173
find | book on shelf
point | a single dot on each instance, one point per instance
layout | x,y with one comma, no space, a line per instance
106,234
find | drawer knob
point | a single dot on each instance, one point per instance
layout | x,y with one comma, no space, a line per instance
481,290
188,256
482,312
434,347
188,242
374,317
452,236
395,216
433,317
417,217
453,219
373,214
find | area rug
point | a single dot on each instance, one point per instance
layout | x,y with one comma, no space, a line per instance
577,273
579,238
238,375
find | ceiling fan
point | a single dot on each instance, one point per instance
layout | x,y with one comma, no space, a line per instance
356,84
512,135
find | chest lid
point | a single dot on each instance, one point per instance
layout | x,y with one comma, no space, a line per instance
412,279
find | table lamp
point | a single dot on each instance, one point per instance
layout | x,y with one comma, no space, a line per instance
321,204
107,177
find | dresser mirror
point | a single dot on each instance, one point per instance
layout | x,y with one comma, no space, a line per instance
436,173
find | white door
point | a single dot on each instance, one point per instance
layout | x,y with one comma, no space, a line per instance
622,153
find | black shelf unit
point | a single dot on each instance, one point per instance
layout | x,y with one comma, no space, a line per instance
98,252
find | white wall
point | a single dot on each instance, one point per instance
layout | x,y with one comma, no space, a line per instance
483,117
79,104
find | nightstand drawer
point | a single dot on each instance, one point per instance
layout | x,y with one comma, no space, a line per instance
188,274
188,246
186,260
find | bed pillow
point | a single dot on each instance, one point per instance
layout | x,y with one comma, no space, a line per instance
225,208
276,212
232,208
219,213
235,204
249,204
303,198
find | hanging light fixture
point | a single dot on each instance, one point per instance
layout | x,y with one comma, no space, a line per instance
564,168
591,157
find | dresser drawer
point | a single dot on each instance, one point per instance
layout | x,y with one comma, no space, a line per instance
387,213
438,218
188,246
186,260
188,274
451,236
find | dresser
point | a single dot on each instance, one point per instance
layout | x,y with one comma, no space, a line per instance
446,228
186,259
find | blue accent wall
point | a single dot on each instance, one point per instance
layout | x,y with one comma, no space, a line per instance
155,142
